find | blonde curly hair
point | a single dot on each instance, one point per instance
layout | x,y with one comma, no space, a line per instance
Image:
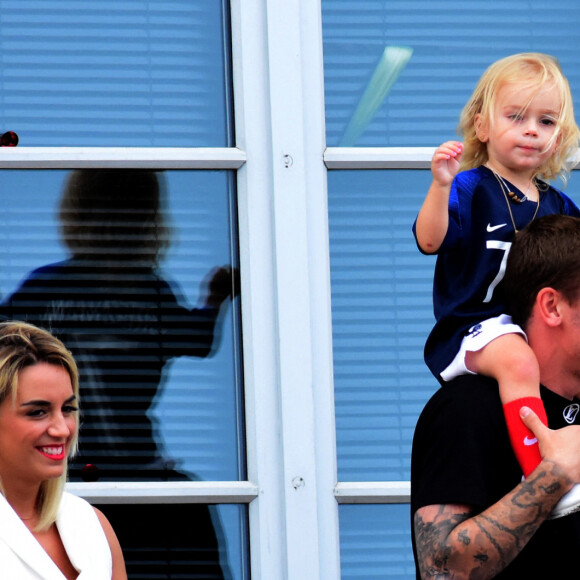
529,70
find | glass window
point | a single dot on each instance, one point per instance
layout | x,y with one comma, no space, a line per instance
398,74
381,316
375,542
135,271
382,313
182,540
116,73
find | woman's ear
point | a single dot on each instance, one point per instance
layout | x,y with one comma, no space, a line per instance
480,128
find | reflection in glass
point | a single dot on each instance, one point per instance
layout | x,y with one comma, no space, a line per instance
381,315
193,541
110,299
90,255
109,73
375,542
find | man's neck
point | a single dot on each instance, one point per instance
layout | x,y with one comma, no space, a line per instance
556,376
556,373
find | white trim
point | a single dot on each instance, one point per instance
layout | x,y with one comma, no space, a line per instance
390,158
378,157
287,91
155,158
166,492
286,315
260,333
380,492
316,193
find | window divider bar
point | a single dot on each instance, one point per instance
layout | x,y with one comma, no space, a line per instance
165,492
373,492
378,157
125,157
390,158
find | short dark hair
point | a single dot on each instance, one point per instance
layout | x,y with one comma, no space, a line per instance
545,254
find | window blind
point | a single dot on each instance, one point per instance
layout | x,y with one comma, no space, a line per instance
116,73
161,391
449,46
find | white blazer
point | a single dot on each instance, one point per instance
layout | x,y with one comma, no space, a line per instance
23,558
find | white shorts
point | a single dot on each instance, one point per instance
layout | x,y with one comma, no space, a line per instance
477,337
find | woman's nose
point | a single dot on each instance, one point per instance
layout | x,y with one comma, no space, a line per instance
59,426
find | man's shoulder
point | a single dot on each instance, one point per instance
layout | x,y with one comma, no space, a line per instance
468,405
461,452
463,393
457,414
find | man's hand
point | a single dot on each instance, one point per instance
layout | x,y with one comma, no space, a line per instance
560,447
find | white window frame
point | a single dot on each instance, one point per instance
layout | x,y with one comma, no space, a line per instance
281,162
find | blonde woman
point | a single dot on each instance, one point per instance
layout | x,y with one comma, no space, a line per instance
45,533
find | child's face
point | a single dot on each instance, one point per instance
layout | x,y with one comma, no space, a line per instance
520,139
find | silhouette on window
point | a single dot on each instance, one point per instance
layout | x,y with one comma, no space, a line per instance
123,322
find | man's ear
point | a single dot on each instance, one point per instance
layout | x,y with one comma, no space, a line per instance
480,128
549,306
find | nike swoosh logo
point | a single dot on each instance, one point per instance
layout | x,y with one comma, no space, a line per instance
530,441
491,228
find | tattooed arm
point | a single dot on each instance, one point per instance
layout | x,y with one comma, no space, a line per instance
454,541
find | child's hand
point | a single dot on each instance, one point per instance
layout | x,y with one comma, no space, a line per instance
445,162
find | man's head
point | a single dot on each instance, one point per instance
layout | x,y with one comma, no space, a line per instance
546,254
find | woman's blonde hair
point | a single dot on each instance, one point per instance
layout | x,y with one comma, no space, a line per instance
23,345
532,70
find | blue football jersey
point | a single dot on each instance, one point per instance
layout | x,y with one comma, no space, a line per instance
472,258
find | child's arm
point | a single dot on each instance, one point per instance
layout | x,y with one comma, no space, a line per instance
433,217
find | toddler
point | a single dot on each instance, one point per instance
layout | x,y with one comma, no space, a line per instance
518,132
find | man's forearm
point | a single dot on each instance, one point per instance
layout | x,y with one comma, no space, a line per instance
454,542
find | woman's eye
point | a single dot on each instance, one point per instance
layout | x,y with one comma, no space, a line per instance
36,413
69,409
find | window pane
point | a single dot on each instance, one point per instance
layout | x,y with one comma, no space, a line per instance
125,267
398,73
381,315
116,73
188,541
375,542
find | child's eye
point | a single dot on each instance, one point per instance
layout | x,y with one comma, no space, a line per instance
516,117
548,122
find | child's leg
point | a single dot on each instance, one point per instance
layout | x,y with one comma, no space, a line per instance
512,363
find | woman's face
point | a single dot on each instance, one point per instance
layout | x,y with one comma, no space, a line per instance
37,428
